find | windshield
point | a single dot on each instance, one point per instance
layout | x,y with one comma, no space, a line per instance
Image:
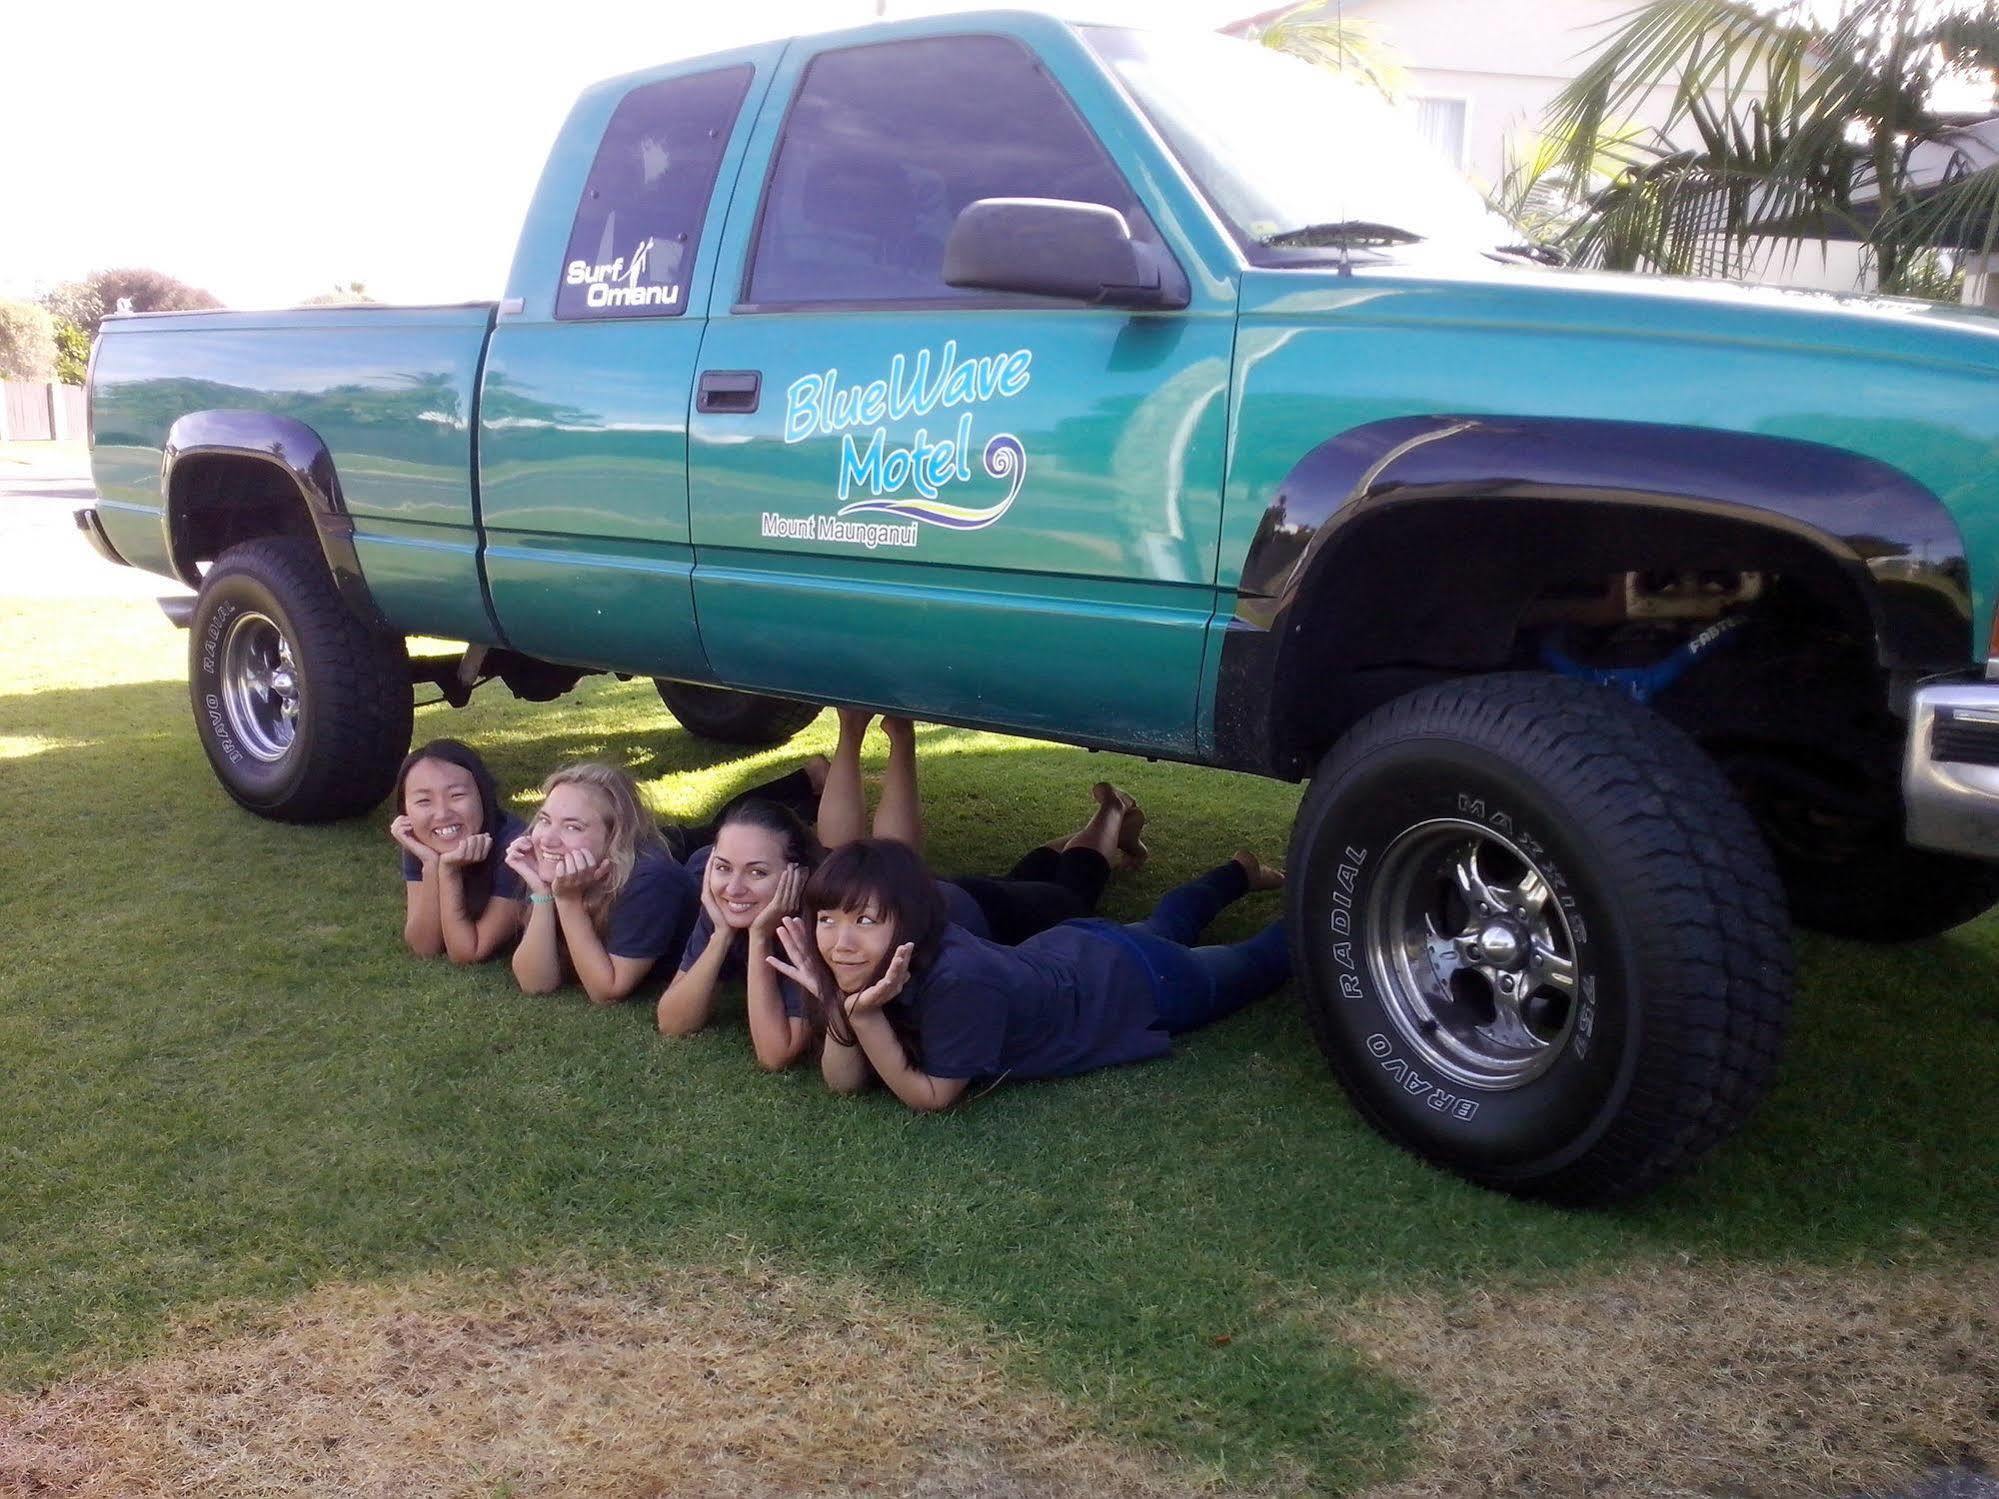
1298,160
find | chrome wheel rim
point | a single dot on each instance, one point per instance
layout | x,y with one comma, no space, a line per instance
1472,953
260,694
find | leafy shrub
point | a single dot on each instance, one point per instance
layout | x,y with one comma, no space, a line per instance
27,342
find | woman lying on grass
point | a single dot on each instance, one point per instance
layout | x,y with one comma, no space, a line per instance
606,898
763,856
460,897
926,1007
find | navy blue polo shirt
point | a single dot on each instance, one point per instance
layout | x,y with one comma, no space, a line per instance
654,912
1067,1000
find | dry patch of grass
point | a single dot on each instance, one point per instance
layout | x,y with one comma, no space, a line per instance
1695,1380
690,1382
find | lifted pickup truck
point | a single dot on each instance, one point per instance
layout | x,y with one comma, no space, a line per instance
1155,393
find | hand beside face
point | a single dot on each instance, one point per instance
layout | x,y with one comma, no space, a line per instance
523,861
576,872
471,849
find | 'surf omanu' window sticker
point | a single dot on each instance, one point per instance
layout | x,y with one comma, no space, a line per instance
632,248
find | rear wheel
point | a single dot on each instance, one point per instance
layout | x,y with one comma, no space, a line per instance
734,717
303,710
1538,938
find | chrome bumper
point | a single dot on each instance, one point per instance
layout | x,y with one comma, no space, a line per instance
1950,770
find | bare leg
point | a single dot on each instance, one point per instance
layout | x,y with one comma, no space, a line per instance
1262,876
899,814
1106,825
843,804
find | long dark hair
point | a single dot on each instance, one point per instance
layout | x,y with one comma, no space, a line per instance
801,844
893,878
475,879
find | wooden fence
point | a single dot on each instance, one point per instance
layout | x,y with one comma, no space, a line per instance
37,410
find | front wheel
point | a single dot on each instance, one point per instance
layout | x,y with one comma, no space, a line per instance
734,717
303,710
1538,938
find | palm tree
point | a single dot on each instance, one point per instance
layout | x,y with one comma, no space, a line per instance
1810,120
1321,33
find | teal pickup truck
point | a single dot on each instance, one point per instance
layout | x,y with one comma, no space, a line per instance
1156,393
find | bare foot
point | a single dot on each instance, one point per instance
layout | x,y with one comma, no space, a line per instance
1130,840
1262,876
816,769
1101,832
854,722
897,727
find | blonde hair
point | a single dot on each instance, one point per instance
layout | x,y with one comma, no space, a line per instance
632,828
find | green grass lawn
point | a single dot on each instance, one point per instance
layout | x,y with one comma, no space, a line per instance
224,1079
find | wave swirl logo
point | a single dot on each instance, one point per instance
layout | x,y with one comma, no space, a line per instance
1005,457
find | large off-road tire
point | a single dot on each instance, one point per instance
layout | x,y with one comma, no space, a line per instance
303,710
1539,938
734,717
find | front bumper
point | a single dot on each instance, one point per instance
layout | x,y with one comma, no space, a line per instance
1950,769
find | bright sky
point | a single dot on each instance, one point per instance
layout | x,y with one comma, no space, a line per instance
268,150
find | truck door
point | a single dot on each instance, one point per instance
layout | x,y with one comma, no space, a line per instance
994,509
582,455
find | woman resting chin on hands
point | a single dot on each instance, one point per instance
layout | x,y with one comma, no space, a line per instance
753,877
605,898
905,996
460,898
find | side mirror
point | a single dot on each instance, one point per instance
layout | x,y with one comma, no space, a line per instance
1049,247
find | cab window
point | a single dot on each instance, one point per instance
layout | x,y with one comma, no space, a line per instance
632,247
885,144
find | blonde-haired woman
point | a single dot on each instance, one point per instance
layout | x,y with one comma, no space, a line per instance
606,900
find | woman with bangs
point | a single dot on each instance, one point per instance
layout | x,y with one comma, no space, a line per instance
606,898
906,997
461,899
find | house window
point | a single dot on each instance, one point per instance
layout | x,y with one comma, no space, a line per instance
1441,122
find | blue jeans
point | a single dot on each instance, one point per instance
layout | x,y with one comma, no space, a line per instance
1199,985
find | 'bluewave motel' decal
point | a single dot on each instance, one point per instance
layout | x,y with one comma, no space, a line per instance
907,482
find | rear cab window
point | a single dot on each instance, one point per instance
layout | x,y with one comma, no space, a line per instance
638,227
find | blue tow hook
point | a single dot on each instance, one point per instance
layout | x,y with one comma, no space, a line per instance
1643,683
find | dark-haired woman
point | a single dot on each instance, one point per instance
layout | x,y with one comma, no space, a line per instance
753,876
928,1008
460,898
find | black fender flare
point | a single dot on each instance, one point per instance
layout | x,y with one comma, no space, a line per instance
294,450
1892,539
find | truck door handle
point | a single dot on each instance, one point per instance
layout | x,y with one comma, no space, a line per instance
728,390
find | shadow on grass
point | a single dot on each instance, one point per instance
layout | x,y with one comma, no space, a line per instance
226,1079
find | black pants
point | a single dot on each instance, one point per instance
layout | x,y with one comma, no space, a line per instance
793,791
1046,888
